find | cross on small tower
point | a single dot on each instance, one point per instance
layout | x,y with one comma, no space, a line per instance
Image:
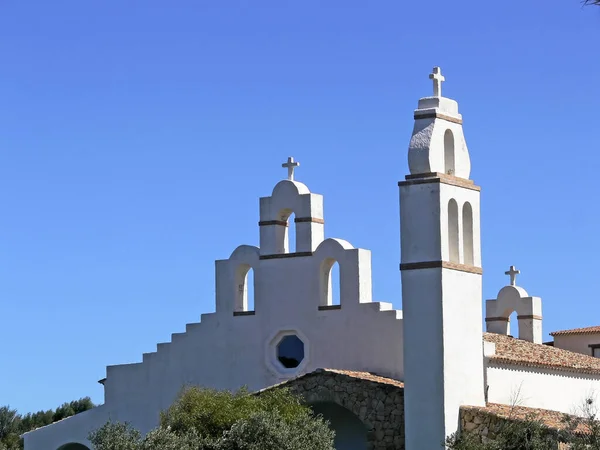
291,165
437,78
513,272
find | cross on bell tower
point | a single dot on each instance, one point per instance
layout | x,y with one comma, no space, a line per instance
513,272
438,79
290,165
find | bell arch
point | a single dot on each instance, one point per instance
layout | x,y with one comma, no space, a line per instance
514,299
330,283
453,233
244,280
449,156
467,221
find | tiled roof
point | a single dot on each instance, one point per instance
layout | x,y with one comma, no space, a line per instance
516,351
551,419
587,330
365,376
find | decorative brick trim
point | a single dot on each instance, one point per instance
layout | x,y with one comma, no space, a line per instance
442,265
281,223
309,219
286,255
497,319
329,307
533,316
437,115
243,313
437,177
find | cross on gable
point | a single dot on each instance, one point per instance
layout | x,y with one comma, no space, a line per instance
513,272
437,78
290,165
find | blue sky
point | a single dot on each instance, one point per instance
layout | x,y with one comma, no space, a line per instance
136,138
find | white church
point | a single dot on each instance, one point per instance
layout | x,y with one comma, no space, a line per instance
384,378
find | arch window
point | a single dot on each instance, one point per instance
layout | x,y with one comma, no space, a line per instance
291,234
453,234
467,218
330,284
449,165
286,233
244,301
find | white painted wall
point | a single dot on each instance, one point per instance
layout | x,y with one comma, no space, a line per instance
442,310
579,343
224,351
541,388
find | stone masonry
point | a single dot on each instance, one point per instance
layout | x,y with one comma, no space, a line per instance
378,402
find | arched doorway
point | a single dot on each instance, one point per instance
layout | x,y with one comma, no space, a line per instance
73,446
350,432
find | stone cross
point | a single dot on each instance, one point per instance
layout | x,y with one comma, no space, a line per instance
291,165
513,272
437,78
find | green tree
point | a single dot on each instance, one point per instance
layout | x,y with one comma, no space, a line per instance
8,421
210,412
206,419
270,431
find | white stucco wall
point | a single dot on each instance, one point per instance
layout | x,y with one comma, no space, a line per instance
541,388
227,350
73,430
579,343
442,308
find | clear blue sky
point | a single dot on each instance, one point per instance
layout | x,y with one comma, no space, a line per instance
136,138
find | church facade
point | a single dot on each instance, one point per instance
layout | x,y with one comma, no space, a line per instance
384,378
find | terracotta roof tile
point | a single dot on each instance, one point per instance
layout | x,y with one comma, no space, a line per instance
365,376
551,419
586,330
516,351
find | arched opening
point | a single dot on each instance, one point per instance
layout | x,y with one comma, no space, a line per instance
453,231
73,446
244,300
330,283
512,329
449,152
350,432
467,217
291,234
334,282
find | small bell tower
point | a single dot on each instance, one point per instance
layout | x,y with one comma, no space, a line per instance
441,274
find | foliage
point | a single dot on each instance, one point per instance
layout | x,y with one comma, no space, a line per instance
270,431
115,436
525,434
206,419
210,413
8,421
12,424
579,433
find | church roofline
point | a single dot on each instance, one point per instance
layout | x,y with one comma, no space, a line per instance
362,376
512,351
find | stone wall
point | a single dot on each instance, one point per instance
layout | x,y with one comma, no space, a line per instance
487,422
378,402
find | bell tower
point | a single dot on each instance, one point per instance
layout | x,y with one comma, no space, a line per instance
441,274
